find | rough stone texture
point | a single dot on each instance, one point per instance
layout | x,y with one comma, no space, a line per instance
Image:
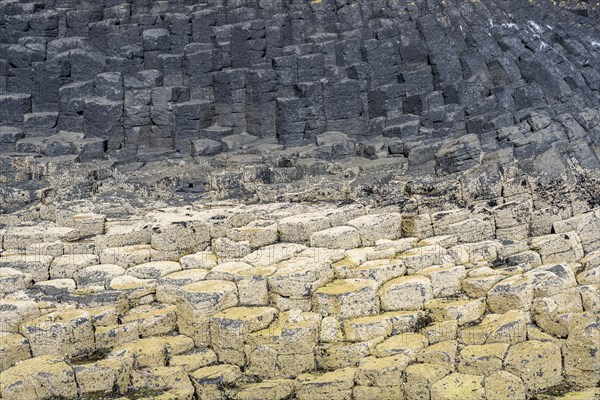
581,359
376,84
299,199
502,385
382,226
538,364
15,348
105,376
339,237
68,332
405,293
300,228
404,318
347,298
39,378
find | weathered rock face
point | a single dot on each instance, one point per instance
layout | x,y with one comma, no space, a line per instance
299,199
183,72
432,88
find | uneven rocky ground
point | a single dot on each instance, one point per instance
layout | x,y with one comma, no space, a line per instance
307,301
299,200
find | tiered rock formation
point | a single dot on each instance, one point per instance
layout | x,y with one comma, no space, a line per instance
92,92
367,199
439,82
287,301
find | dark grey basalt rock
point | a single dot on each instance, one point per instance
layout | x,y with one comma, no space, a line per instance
447,86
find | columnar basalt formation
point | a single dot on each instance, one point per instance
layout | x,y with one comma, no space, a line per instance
300,199
446,86
124,76
300,301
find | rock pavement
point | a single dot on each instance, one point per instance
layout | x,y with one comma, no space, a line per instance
392,316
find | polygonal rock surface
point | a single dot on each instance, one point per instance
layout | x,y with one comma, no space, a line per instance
206,297
202,259
38,378
37,267
97,275
157,378
347,298
230,328
404,343
300,276
420,378
377,226
12,280
168,286
299,199
105,376
462,311
258,233
510,327
66,332
380,270
152,320
14,348
194,359
180,234
405,293
211,382
538,364
503,385
514,293
66,266
581,354
13,312
331,385
422,257
381,372
55,286
482,360
458,386
276,389
558,247
299,228
339,237
154,270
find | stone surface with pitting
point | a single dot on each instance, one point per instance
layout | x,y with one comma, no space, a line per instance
276,200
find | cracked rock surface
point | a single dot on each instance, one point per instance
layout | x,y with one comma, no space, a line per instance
274,200
388,307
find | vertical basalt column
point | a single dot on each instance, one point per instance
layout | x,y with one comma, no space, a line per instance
139,129
203,22
261,107
248,44
12,108
344,107
230,99
104,119
290,121
200,62
180,28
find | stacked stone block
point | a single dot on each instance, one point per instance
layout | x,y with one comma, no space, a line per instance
400,79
